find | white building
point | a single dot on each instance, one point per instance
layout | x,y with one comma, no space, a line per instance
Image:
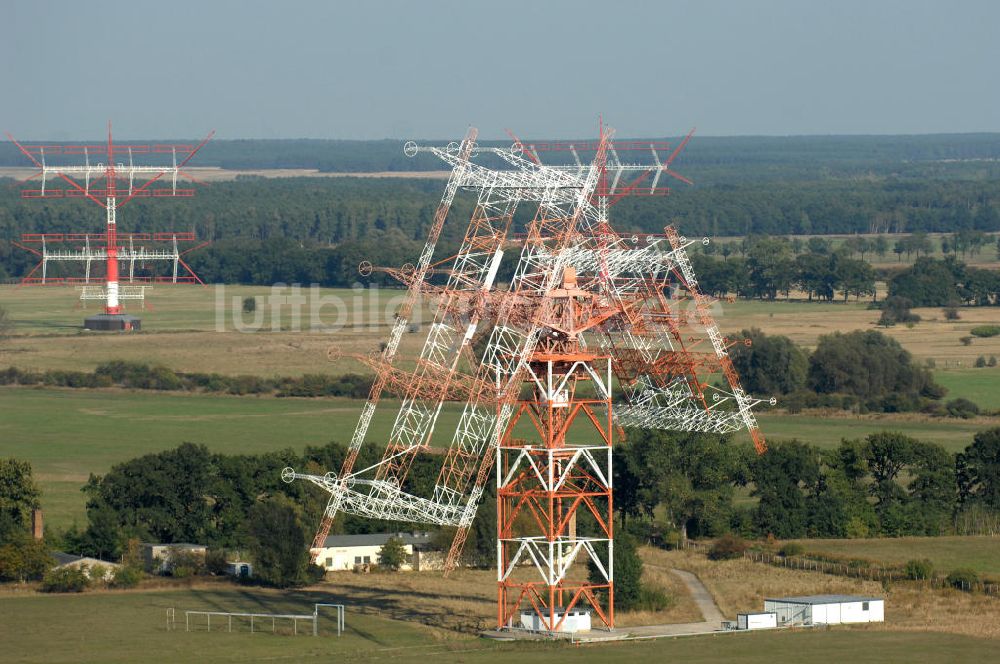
89,565
577,620
345,552
826,609
767,620
158,558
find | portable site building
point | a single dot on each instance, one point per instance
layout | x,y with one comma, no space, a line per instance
826,609
577,620
766,620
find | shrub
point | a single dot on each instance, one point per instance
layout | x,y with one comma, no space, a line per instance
963,579
985,331
249,305
992,362
727,547
966,341
392,555
126,576
215,561
65,580
97,574
951,313
962,408
980,362
653,599
182,563
919,569
792,549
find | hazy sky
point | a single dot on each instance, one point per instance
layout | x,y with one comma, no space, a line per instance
378,69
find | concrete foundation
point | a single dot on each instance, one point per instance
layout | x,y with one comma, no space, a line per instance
112,323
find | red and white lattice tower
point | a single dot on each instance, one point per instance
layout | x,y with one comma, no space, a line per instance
110,185
536,363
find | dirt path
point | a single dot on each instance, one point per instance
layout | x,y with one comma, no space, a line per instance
712,616
706,603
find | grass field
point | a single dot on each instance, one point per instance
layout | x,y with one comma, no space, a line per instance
947,553
67,434
203,329
131,626
829,429
981,386
193,329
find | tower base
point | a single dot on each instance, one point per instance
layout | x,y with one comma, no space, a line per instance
112,323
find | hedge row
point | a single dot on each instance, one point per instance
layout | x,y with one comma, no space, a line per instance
139,376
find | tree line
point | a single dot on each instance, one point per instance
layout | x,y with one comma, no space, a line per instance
668,486
316,230
864,371
888,484
736,158
142,376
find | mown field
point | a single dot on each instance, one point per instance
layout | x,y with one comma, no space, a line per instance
193,328
131,626
67,434
203,329
947,553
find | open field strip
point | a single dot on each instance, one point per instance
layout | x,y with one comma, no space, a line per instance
947,553
202,329
189,330
131,626
828,428
67,434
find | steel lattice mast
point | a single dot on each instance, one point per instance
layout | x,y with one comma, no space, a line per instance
586,308
104,184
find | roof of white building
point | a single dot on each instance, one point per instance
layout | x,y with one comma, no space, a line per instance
823,599
375,539
69,559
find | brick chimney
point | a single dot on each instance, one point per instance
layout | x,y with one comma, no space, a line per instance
37,527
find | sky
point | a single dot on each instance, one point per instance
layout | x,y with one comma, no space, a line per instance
429,69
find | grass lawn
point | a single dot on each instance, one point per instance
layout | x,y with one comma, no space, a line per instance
947,553
67,434
131,626
981,386
202,329
192,328
827,431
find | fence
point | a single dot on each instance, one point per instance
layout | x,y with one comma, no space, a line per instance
870,573
255,619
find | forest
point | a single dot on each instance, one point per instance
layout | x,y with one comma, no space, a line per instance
315,230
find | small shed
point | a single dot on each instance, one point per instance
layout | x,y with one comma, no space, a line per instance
826,609
240,569
577,620
764,620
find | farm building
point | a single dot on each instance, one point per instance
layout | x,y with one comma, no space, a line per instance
64,560
159,558
826,609
345,552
